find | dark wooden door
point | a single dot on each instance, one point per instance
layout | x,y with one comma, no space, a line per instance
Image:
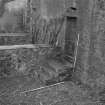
70,37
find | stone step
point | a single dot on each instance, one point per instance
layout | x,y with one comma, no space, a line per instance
15,38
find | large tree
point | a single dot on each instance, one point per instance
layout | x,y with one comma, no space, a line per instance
90,66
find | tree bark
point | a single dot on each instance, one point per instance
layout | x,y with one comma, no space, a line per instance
90,65
85,27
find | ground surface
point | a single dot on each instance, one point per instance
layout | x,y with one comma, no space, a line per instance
24,69
67,93
20,78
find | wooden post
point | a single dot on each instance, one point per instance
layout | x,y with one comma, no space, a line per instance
25,15
31,18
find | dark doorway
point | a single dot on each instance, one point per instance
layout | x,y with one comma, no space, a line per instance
70,37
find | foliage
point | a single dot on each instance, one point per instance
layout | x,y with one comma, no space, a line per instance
37,64
6,65
46,32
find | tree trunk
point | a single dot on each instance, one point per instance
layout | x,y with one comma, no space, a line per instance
90,65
